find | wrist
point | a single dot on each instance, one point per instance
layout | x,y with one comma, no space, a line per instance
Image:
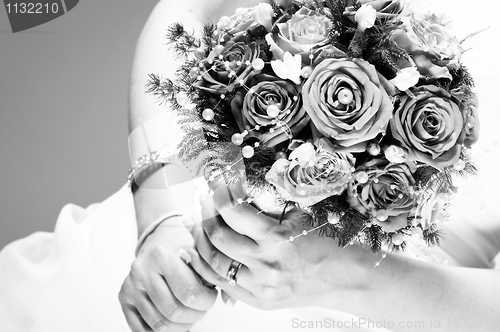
168,233
347,290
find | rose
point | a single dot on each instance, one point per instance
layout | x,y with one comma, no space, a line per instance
386,193
245,18
430,208
384,8
306,32
430,127
430,45
222,75
346,101
311,174
250,109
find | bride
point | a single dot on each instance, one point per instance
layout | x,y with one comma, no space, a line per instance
86,275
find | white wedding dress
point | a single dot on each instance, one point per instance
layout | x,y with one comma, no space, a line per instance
68,280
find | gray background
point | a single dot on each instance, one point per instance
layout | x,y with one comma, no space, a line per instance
63,106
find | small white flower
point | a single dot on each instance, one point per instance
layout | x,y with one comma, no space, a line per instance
289,68
394,154
406,78
365,17
304,154
263,14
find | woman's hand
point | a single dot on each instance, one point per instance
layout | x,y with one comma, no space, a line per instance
162,293
313,271
276,273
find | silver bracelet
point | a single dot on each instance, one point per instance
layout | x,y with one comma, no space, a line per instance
144,162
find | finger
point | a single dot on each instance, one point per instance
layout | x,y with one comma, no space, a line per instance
134,320
204,270
243,218
156,321
217,260
228,241
168,305
186,286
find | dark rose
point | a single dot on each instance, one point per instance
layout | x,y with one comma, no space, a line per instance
221,74
386,193
430,127
349,124
250,109
312,173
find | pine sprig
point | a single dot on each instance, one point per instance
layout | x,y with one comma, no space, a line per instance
162,89
180,40
432,235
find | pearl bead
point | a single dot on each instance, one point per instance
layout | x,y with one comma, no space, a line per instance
194,72
306,71
345,96
273,111
291,238
237,139
304,232
459,165
247,151
302,189
398,239
199,52
218,49
417,232
208,114
333,219
280,155
382,215
362,177
182,98
471,121
258,64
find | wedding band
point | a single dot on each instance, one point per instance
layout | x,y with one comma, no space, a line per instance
232,272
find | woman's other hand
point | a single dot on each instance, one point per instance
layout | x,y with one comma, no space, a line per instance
162,292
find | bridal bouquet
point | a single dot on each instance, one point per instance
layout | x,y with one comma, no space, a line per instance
356,113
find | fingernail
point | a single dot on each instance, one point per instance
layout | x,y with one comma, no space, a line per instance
232,301
224,297
183,254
